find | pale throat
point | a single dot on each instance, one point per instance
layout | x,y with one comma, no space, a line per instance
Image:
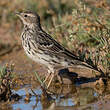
29,25
32,26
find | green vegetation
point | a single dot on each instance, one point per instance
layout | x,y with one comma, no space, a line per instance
6,78
6,72
90,29
83,26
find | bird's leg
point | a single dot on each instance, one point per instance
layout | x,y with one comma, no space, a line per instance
52,76
47,77
51,71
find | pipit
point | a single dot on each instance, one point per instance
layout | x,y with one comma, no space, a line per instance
43,49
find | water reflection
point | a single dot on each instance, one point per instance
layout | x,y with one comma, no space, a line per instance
76,97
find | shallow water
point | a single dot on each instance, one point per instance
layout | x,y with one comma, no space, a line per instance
82,98
22,105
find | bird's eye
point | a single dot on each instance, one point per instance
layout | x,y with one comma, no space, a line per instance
25,15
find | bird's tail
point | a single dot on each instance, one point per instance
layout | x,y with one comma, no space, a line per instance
88,66
84,64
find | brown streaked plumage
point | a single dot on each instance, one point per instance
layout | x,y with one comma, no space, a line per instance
42,48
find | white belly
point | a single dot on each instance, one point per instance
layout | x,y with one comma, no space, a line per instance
39,58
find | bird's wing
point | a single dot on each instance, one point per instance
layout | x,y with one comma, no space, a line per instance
50,46
47,43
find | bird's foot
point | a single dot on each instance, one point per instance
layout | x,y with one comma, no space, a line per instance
49,78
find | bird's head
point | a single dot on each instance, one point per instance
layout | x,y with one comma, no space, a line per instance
29,18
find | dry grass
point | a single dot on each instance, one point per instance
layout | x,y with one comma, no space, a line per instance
80,25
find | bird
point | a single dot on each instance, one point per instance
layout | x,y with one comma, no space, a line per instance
44,49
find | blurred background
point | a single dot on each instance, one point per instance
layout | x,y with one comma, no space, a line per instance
80,25
53,13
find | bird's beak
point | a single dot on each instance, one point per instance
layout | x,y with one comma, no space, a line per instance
18,14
